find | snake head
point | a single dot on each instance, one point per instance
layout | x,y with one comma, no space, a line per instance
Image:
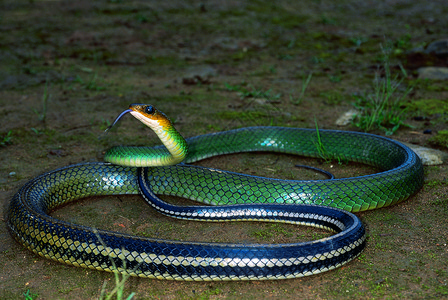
149,115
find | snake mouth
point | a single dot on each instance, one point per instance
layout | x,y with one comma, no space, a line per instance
136,109
118,119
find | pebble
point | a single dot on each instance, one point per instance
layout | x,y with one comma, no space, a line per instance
438,48
199,74
346,117
421,118
437,73
429,157
434,54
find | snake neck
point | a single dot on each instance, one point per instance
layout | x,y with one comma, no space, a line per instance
174,143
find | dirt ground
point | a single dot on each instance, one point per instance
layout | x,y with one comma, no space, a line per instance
67,68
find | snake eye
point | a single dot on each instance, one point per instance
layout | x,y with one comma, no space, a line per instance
149,110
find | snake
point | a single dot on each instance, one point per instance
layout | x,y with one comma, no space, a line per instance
223,195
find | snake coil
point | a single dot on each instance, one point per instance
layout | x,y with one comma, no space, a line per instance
321,203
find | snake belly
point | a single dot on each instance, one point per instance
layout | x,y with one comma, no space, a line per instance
401,176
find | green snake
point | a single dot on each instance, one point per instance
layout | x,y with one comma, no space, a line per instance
322,203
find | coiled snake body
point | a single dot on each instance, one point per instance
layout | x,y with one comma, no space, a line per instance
78,245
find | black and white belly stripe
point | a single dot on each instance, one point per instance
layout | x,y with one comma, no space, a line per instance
211,261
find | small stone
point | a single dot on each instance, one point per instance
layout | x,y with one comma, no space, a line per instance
56,153
346,118
438,48
429,157
199,74
420,118
380,281
261,101
437,73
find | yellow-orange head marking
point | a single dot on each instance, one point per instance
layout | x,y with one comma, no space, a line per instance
150,116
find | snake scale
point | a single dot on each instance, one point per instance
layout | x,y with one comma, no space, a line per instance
322,203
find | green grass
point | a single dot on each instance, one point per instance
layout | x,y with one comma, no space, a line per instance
249,91
332,97
383,108
322,151
91,84
428,107
118,290
45,98
6,139
29,295
208,293
440,140
305,83
120,280
319,145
